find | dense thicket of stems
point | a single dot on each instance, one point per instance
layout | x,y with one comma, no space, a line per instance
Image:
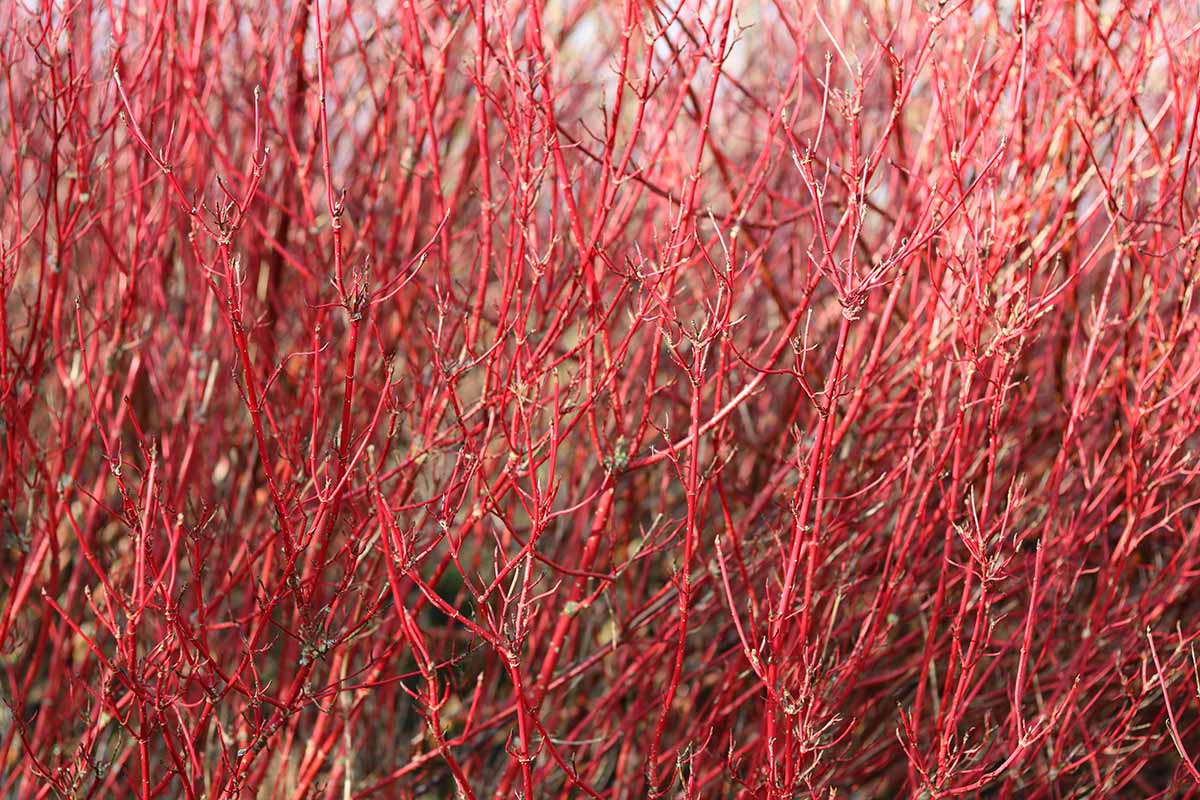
490,398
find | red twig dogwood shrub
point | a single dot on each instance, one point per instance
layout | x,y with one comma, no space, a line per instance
498,399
